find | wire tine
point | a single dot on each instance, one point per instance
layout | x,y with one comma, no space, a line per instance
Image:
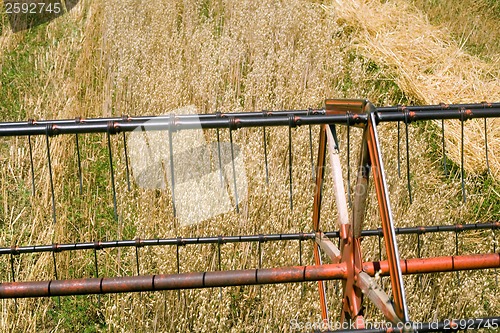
302,291
419,255
495,251
178,265
219,263
456,253
171,150
408,177
111,171
220,159
78,158
97,275
462,171
445,164
313,176
12,267
486,146
13,276
234,171
265,155
399,149
47,129
379,248
137,260
290,120
127,169
32,166
348,116
56,276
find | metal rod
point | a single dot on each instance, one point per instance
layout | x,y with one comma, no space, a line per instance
171,151
57,127
445,166
408,177
265,154
237,277
79,162
239,239
220,159
486,146
234,172
127,169
462,171
311,152
387,111
50,175
112,174
32,166
386,217
399,149
348,160
290,162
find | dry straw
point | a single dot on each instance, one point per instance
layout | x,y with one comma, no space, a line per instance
430,67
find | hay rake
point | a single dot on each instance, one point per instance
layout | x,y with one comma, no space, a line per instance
346,259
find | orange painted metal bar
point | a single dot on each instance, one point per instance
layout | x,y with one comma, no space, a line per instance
239,277
436,264
386,216
320,172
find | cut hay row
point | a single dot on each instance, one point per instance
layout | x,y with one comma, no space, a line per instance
430,67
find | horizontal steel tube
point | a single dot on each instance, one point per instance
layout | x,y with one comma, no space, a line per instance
437,264
238,277
239,120
236,239
171,281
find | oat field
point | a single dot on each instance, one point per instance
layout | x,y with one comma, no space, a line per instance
151,57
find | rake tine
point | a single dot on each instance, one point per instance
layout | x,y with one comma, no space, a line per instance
486,140
265,114
399,145
290,125
179,240
407,157
462,171
137,256
456,253
261,239
171,151
111,170
495,251
97,271
12,267
311,147
445,164
32,166
234,169
348,119
13,276
220,160
419,278
486,146
379,248
79,163
55,272
126,161
219,262
48,128
302,292
265,155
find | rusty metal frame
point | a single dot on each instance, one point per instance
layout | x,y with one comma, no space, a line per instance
347,261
